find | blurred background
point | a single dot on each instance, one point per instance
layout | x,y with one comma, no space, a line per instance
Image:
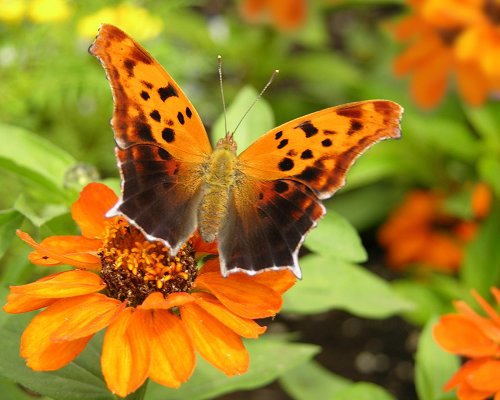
417,224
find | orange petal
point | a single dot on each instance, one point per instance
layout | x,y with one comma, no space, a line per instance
430,79
472,83
68,246
490,328
244,327
88,211
156,301
83,315
173,359
64,284
40,352
200,246
279,281
211,265
458,334
126,355
80,260
481,200
288,14
20,303
216,343
242,294
486,377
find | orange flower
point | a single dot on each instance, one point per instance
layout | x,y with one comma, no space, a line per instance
156,309
419,231
285,14
459,37
476,337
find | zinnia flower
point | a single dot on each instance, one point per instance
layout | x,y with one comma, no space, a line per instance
157,310
285,14
450,37
476,337
421,232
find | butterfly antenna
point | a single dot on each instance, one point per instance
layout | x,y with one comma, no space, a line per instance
275,72
219,59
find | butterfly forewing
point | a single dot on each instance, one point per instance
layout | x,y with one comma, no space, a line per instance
150,108
319,148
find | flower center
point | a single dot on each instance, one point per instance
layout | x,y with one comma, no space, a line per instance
134,267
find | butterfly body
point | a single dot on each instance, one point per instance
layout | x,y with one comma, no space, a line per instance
258,205
219,179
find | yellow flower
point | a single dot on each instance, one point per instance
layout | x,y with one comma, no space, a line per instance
38,11
157,310
135,20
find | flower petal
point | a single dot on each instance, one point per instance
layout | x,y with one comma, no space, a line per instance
40,352
156,301
64,284
216,343
20,303
458,334
89,210
68,246
242,294
242,326
211,265
83,315
173,359
279,281
486,376
126,356
80,260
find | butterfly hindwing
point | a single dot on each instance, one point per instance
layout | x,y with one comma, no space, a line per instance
319,148
160,194
266,224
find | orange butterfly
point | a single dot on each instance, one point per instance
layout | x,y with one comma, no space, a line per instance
260,204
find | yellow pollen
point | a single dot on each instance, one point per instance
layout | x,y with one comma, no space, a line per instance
143,264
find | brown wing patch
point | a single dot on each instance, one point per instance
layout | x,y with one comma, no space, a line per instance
266,224
318,149
147,100
160,194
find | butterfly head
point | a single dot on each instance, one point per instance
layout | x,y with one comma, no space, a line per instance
227,143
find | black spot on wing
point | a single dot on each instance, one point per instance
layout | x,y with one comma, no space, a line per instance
291,153
180,118
307,154
129,66
166,92
308,128
309,174
149,85
155,115
326,143
168,135
283,143
144,131
164,154
188,112
145,95
286,164
355,126
278,135
281,186
329,132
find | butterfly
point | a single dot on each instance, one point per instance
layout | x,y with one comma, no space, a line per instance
258,205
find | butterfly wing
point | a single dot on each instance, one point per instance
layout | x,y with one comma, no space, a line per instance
287,172
161,141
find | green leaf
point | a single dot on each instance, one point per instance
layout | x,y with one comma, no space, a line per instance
363,391
11,390
311,381
269,359
336,284
336,237
434,367
488,167
10,220
80,379
33,158
37,213
481,266
486,121
257,122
